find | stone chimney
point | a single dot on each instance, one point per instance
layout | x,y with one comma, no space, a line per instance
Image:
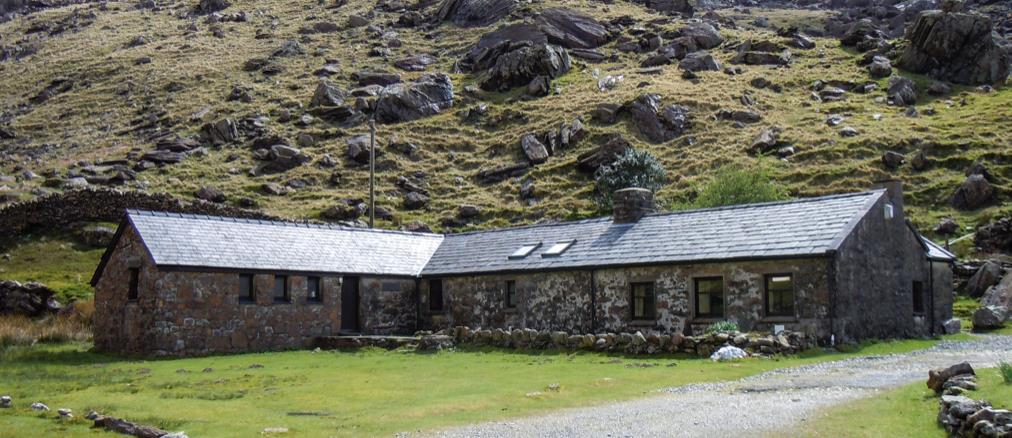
894,192
630,204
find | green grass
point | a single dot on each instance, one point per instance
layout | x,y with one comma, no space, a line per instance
57,260
908,411
366,393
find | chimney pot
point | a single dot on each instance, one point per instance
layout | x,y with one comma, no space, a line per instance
630,204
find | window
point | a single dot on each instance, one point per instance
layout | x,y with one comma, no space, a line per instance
524,251
644,305
710,297
391,286
918,290
557,249
313,294
436,295
888,210
246,288
135,279
511,294
281,289
779,295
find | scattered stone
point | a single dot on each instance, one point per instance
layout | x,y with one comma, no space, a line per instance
355,20
474,13
656,124
989,274
974,193
533,149
765,142
415,201
6,401
939,88
880,67
571,29
957,47
205,7
952,326
210,194
989,318
699,61
65,413
422,98
947,226
938,377
893,160
415,62
38,406
468,211
902,91
849,131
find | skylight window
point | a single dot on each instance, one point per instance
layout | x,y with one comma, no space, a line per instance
557,249
524,251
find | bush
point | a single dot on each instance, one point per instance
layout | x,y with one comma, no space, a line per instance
735,185
723,326
631,169
74,326
1005,369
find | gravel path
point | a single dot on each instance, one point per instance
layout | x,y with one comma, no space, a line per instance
755,405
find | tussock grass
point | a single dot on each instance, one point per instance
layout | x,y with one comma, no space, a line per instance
20,330
1005,369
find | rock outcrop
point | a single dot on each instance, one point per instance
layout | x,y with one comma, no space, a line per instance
474,13
513,56
422,98
29,299
571,29
956,47
656,123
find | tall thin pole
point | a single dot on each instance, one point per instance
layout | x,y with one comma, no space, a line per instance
372,171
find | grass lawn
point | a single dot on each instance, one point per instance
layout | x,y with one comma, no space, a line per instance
54,259
366,393
907,411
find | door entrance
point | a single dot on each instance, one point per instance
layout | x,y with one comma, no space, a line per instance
349,305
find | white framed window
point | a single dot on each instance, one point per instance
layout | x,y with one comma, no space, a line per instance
524,251
559,248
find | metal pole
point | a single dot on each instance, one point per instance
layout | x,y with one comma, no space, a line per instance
372,171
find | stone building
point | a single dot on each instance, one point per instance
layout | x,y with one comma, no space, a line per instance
835,267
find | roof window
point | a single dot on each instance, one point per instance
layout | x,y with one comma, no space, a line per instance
524,251
559,248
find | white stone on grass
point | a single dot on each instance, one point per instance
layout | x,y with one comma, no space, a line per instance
728,352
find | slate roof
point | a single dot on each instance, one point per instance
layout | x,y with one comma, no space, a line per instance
936,251
804,227
183,240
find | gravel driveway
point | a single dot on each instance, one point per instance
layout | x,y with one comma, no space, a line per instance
755,405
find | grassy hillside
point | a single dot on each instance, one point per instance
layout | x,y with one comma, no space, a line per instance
191,74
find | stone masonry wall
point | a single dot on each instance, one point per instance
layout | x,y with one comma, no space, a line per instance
562,300
387,306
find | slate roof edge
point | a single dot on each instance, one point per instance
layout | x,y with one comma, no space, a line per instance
675,213
292,223
835,244
230,269
592,266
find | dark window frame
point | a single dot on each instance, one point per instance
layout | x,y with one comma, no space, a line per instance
133,288
286,297
649,301
766,296
695,294
310,297
917,294
251,298
436,295
511,294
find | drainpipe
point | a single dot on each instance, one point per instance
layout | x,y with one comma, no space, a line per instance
593,302
831,279
931,297
418,303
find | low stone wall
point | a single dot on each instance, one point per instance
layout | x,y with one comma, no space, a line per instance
632,343
61,209
962,416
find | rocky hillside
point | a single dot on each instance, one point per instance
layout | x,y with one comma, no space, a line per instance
501,105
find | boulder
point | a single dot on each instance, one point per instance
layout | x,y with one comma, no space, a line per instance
989,274
358,148
28,299
327,94
657,124
474,13
415,200
424,97
671,6
956,47
283,157
995,236
862,35
880,67
205,7
533,149
765,142
492,45
699,61
222,132
6,401
366,78
210,194
892,160
571,29
937,377
974,193
989,318
609,150
727,353
952,326
415,62
703,35
522,62
902,91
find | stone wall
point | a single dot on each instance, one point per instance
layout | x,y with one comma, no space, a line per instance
563,300
185,313
60,209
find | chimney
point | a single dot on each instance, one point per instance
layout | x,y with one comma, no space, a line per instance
894,193
630,204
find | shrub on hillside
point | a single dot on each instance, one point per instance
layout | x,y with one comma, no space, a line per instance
735,185
631,169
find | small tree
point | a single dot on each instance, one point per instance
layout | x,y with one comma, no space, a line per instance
631,169
735,185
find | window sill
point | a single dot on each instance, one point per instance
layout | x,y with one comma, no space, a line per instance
643,322
281,302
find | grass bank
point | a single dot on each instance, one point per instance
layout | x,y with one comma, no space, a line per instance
907,411
342,394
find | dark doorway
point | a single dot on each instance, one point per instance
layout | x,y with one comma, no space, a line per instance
349,305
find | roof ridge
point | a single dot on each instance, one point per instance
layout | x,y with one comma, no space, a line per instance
272,222
674,213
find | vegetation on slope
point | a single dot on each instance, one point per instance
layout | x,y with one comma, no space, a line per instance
191,74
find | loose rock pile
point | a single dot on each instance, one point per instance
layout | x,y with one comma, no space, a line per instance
960,415
29,299
786,342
